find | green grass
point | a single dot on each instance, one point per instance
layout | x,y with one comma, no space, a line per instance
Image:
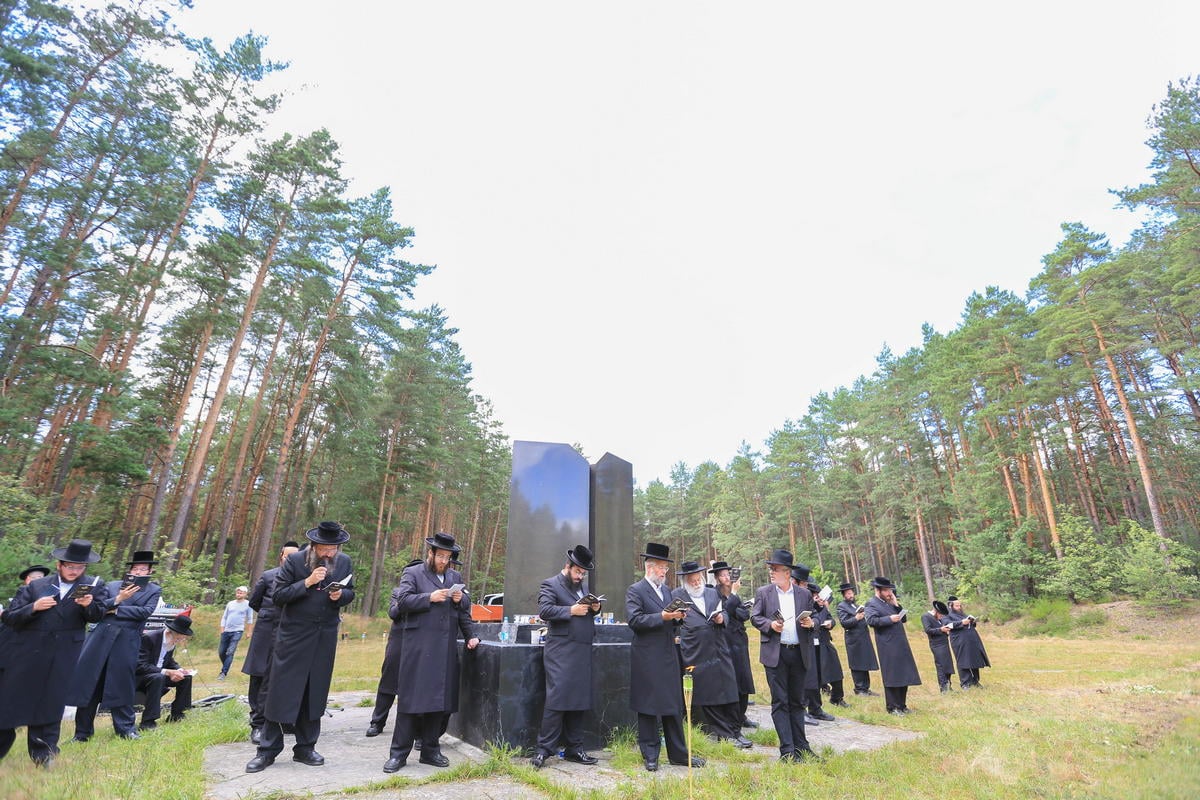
1109,717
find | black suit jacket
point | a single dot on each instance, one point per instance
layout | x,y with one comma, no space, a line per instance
766,603
148,655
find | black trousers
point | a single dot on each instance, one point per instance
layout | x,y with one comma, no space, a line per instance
156,687
967,678
41,740
427,727
256,697
862,680
786,682
723,721
307,731
672,730
564,726
895,697
837,692
123,718
383,707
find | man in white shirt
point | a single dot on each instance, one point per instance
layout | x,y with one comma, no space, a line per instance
158,672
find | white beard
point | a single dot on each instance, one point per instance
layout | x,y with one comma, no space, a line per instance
696,593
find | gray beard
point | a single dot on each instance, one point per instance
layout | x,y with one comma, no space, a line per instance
696,592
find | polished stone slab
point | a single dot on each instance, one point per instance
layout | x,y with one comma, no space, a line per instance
612,532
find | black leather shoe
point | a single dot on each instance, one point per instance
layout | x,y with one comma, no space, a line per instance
697,761
748,723
80,739
538,760
434,760
129,735
809,719
841,704
805,754
255,735
821,715
416,744
259,763
374,730
394,764
580,757
175,718
743,743
147,726
652,765
312,758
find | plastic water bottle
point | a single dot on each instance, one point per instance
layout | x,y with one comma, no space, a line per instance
504,632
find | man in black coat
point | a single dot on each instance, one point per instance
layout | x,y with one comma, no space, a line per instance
814,679
860,653
107,666
258,655
389,671
655,677
885,614
433,600
312,587
737,612
785,651
571,628
704,648
44,627
829,665
967,645
158,672
937,628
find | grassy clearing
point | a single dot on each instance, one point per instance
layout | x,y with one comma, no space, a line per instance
1110,711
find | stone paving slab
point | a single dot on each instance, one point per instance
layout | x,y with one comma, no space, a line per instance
352,761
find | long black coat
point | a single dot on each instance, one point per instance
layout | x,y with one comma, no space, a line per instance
896,661
568,653
860,654
655,680
704,645
306,634
429,657
262,640
112,648
831,665
968,647
41,650
736,615
939,643
389,671
766,603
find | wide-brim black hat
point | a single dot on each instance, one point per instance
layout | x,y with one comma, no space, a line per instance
328,533
660,552
940,607
580,556
35,568
443,541
180,623
717,566
79,551
880,582
800,573
142,557
781,557
812,587
689,568
846,586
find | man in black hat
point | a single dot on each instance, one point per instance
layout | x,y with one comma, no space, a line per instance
968,646
703,647
785,651
47,617
28,575
433,599
312,587
655,678
737,613
108,664
258,655
860,653
570,623
389,671
937,629
158,672
829,665
885,614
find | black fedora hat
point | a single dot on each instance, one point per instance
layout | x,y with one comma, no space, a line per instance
142,557
717,566
689,568
880,582
847,587
580,556
940,607
800,573
328,532
35,568
661,552
781,557
443,541
951,599
79,551
180,623
812,587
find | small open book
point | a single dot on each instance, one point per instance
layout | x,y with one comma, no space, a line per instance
590,599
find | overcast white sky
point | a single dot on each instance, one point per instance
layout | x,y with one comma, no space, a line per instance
662,227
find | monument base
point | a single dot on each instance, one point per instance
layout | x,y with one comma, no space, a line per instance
502,689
